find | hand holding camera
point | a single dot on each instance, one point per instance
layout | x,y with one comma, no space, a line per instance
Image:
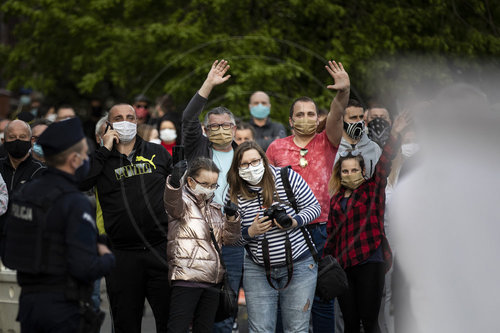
231,209
279,215
260,226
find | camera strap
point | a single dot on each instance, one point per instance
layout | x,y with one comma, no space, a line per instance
291,198
267,261
288,244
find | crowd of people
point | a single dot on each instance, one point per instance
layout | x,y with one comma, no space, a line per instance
152,225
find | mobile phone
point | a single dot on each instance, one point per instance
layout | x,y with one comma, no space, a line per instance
177,154
108,125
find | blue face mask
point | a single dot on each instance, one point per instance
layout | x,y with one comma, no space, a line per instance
83,170
260,111
37,149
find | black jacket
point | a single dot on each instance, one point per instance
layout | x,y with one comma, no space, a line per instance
27,169
131,193
195,143
71,223
266,134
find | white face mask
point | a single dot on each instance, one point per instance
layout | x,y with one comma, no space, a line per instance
51,117
126,130
168,135
253,174
157,141
409,149
200,190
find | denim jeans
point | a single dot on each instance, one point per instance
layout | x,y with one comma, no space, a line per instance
323,317
233,259
322,313
295,300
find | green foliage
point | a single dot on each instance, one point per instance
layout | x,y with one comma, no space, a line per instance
72,49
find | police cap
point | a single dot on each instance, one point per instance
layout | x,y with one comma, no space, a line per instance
60,136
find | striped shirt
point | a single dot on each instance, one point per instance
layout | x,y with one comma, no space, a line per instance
309,209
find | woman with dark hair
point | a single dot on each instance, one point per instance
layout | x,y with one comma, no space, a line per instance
276,246
167,129
356,226
193,262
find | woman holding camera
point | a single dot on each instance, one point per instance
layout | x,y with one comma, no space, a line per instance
356,226
193,262
276,248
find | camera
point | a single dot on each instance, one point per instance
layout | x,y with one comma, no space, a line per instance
279,214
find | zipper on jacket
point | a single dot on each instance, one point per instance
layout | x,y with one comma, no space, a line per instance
12,180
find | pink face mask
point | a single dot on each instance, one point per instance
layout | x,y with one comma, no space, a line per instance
141,112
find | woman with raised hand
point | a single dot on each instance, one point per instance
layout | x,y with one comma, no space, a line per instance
356,228
276,247
195,270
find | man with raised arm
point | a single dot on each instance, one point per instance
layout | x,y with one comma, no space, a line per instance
312,155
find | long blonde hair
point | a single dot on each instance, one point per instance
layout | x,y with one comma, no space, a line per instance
334,184
238,186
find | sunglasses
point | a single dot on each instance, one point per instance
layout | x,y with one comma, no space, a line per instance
303,162
350,153
141,106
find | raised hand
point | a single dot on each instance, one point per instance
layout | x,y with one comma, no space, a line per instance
217,72
214,77
401,122
339,75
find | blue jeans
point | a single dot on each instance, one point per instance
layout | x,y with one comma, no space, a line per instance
295,300
233,259
323,316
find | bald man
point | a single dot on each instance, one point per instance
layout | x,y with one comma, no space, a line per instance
266,130
18,166
130,175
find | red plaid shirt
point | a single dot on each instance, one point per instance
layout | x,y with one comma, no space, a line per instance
360,231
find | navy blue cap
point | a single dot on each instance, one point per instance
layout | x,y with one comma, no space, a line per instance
60,136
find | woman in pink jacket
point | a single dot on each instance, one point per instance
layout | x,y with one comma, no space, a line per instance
193,262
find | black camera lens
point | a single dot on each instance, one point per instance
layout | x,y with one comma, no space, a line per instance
279,214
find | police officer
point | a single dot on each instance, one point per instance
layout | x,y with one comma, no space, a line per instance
51,238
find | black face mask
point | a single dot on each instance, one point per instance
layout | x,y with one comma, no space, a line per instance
379,131
17,148
354,130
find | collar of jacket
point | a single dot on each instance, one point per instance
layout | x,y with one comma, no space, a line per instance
69,177
138,142
8,163
267,124
364,141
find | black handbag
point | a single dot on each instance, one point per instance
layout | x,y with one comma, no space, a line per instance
332,280
228,300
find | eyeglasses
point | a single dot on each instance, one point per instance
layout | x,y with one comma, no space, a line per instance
206,185
256,162
350,153
215,127
303,162
141,106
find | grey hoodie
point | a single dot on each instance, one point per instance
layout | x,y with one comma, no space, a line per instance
369,149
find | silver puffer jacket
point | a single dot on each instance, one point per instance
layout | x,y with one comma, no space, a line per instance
190,252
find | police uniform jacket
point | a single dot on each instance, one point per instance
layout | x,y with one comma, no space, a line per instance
130,192
190,250
72,248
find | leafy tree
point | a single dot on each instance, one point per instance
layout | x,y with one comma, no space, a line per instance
75,49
